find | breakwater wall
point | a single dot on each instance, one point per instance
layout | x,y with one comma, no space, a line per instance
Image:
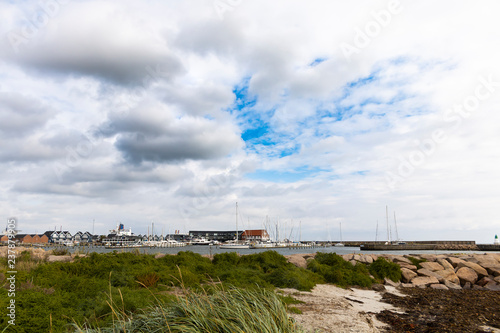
421,246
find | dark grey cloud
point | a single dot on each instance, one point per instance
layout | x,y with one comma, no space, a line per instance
190,143
114,46
155,133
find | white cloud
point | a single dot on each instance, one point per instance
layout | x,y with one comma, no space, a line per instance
134,105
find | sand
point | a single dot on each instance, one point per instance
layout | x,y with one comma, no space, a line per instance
332,309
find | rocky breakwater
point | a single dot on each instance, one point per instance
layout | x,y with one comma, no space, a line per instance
461,271
474,271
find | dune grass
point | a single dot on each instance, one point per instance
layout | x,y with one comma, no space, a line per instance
216,309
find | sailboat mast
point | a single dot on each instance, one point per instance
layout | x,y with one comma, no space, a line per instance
236,221
387,219
376,233
396,226
340,226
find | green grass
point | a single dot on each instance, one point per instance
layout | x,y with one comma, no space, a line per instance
334,269
232,310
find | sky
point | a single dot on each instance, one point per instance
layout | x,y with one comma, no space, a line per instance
311,115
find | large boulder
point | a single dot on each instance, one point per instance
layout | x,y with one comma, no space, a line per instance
424,281
492,286
478,269
467,274
485,280
429,257
391,283
449,275
432,266
365,259
454,261
445,263
298,260
400,259
492,269
408,266
426,272
486,258
347,257
407,274
452,285
439,286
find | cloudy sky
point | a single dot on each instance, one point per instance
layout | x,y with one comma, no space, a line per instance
312,113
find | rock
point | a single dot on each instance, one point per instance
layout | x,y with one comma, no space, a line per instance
482,282
478,269
486,259
407,274
492,269
366,259
454,261
439,286
389,282
476,287
400,259
426,272
53,258
449,275
467,274
470,259
467,286
429,257
408,266
378,287
374,256
445,263
353,262
452,285
298,260
407,285
432,266
424,281
159,255
497,279
493,286
347,257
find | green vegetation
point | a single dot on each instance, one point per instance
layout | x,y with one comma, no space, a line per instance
60,252
334,269
59,296
381,268
416,261
216,310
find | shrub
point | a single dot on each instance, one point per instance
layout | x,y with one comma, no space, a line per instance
148,280
381,268
60,252
334,269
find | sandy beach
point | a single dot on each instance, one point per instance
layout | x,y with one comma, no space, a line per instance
328,308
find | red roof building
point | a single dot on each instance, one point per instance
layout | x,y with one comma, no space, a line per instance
259,235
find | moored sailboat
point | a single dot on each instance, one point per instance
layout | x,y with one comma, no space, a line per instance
235,244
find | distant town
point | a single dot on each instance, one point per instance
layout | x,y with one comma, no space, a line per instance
121,237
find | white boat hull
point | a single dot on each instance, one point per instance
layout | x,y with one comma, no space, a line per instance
234,246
